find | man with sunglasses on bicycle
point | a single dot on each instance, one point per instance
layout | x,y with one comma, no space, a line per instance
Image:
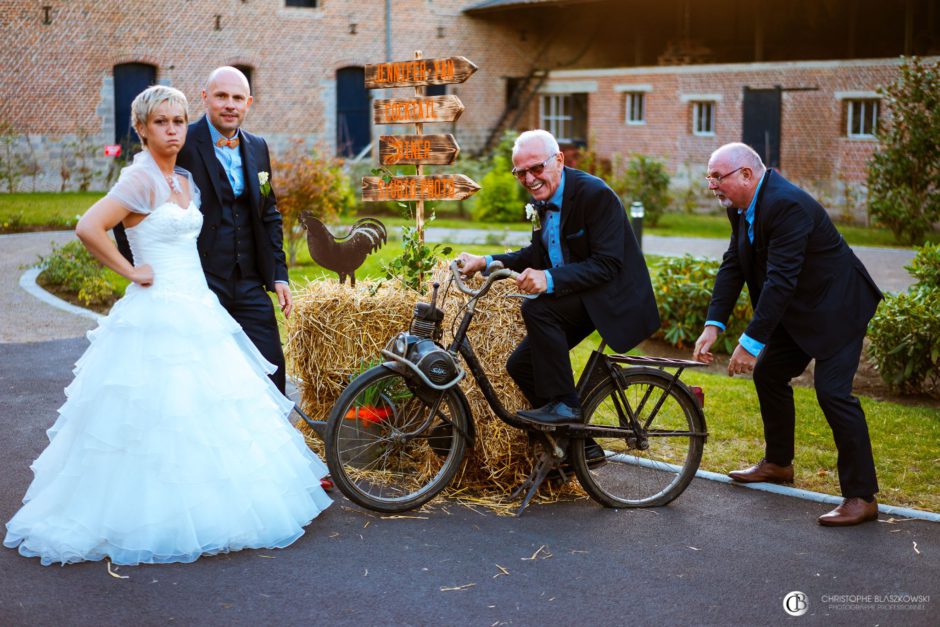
812,299
586,269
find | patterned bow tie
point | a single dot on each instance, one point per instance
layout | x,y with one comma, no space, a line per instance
231,143
543,205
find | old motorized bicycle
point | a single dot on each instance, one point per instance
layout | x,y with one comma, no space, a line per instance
397,435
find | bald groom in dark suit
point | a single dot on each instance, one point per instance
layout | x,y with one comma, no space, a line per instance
812,299
241,242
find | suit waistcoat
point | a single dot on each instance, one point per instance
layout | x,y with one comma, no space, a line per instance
234,242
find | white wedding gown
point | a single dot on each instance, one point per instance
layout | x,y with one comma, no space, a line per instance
172,443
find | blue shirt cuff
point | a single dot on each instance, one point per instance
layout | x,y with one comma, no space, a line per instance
715,323
284,282
549,283
488,259
750,344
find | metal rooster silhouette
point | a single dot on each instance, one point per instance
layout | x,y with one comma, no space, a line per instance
343,254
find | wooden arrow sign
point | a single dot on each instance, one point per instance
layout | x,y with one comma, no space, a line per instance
438,187
419,72
416,110
415,149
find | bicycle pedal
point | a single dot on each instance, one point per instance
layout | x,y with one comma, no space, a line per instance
537,426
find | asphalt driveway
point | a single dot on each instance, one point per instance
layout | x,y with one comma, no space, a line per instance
718,555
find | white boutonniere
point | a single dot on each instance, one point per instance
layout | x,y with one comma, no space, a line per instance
532,215
264,181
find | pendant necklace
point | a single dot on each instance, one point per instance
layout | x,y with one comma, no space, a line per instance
174,182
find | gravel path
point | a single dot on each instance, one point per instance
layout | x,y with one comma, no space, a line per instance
25,318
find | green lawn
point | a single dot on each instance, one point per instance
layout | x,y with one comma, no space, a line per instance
48,210
43,210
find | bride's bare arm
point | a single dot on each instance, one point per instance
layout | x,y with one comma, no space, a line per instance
93,229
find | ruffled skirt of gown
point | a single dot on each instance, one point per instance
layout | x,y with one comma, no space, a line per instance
172,444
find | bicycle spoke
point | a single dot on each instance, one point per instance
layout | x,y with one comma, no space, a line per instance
391,450
659,450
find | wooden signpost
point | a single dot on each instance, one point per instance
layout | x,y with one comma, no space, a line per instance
420,188
416,110
419,72
418,149
415,149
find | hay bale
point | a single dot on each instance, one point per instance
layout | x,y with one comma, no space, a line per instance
335,329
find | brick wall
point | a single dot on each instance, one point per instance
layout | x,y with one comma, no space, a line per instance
815,150
56,80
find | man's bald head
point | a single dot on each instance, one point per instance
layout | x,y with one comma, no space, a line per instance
741,155
227,72
227,98
733,173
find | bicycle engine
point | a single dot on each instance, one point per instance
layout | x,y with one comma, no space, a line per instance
420,349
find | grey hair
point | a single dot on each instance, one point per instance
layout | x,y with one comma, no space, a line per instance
547,139
150,98
742,155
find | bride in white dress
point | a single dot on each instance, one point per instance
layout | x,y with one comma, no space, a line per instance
172,443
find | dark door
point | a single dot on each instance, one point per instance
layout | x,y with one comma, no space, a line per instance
129,80
762,123
352,112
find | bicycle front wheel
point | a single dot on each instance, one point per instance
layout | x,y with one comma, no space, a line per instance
646,467
385,449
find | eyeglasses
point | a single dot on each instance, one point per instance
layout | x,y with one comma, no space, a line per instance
535,170
716,180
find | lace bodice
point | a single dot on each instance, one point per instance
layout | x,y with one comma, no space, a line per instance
166,240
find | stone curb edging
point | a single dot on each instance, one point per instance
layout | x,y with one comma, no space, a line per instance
28,283
818,497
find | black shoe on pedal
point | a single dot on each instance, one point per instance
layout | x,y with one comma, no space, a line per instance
554,413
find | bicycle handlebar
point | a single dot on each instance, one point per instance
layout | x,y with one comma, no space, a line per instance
498,273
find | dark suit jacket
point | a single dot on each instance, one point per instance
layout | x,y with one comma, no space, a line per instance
799,271
198,156
603,262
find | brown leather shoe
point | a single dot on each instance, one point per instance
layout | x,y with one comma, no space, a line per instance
764,471
853,511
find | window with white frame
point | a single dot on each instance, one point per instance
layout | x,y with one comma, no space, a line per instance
861,117
703,117
565,117
635,107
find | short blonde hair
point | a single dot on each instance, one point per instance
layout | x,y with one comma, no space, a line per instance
148,100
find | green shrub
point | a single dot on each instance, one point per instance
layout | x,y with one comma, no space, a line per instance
905,332
904,173
683,289
308,180
925,266
72,268
644,179
501,198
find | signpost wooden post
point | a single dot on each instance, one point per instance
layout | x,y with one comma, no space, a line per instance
418,149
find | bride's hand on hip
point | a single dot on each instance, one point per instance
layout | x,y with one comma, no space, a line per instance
142,275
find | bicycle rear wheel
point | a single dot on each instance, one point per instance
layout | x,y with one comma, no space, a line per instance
385,450
651,467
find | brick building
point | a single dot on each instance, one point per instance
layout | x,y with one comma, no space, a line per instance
672,79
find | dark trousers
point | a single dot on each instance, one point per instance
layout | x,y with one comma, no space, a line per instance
540,365
780,361
246,300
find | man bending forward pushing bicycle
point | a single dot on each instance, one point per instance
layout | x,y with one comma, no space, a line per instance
585,272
